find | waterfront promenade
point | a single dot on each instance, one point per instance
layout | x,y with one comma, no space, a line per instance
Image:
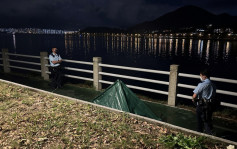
40,119
175,116
16,70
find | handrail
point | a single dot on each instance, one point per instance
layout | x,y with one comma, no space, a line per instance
163,82
186,86
134,78
21,55
78,62
184,96
73,61
76,77
24,62
188,75
222,103
25,68
226,92
138,88
224,80
128,77
80,70
212,78
135,69
228,105
217,91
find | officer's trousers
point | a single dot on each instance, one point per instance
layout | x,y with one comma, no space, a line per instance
56,77
204,118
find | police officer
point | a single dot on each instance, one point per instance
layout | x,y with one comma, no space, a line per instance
203,95
55,61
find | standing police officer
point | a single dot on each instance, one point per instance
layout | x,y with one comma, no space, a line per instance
203,96
55,61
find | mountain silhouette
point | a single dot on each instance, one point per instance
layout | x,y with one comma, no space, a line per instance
102,30
186,17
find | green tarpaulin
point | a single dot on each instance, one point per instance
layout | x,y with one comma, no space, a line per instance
119,96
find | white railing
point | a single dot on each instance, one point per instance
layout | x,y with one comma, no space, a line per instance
21,55
135,69
135,78
100,73
166,83
23,68
75,69
138,88
218,91
77,62
23,62
212,78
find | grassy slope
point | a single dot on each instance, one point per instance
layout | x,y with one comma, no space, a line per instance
35,120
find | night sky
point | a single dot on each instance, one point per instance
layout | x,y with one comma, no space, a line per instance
110,13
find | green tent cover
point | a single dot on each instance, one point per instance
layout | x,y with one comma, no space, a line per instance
119,96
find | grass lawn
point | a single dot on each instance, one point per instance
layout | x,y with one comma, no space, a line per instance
30,119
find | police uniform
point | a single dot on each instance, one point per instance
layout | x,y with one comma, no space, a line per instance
205,92
55,69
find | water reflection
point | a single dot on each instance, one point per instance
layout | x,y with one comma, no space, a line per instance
68,44
136,45
14,41
170,47
190,47
183,44
176,47
226,51
207,52
156,46
200,48
216,47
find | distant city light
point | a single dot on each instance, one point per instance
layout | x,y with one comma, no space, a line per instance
36,31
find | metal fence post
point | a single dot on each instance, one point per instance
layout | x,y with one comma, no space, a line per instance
5,61
44,62
96,70
173,81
